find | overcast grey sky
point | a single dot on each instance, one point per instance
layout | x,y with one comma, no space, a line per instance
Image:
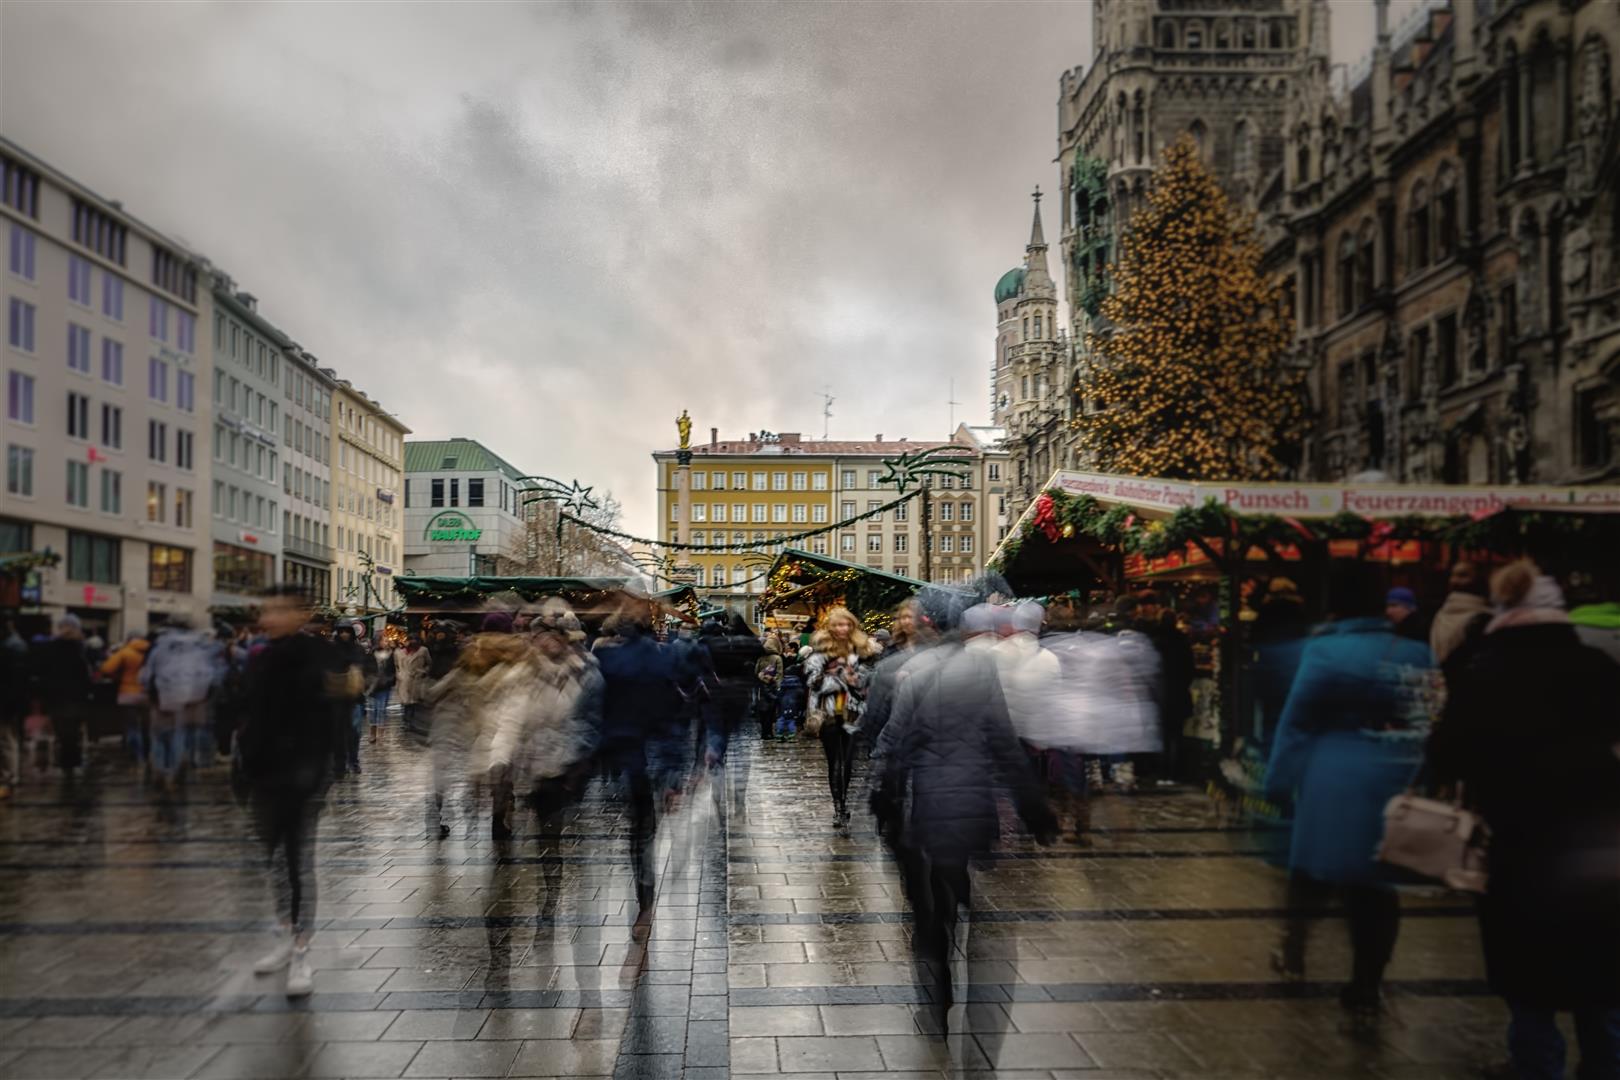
551,227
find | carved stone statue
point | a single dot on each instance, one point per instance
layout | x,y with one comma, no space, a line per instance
1591,114
1577,266
683,424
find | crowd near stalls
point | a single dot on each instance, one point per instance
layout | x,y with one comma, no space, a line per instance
1318,664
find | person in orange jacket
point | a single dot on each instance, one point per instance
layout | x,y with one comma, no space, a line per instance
125,665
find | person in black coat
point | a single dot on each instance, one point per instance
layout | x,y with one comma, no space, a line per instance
62,684
1530,732
289,742
641,735
947,751
733,652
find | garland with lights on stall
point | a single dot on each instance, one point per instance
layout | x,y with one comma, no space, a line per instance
871,598
1059,515
746,545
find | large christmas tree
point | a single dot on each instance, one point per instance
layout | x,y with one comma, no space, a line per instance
1191,380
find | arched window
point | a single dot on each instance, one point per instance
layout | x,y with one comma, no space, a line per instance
1330,147
1223,34
1167,35
1417,228
1038,334
1347,274
1366,267
1302,156
1245,33
1026,327
1445,203
1138,129
718,579
1195,35
1546,100
1243,149
738,575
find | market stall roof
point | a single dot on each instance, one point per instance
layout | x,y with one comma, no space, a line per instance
450,594
1152,499
796,573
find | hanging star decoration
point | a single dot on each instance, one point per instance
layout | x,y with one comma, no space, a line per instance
909,468
573,497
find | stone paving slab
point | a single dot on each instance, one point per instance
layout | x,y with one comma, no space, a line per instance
780,946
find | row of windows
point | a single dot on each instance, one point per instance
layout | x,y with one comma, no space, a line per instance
173,274
240,505
99,231
306,486
107,490
22,261
806,481
246,453
19,188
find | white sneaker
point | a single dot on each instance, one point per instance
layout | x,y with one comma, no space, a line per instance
277,958
300,979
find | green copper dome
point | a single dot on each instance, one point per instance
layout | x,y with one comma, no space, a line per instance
1010,285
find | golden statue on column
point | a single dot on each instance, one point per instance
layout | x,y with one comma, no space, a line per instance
683,424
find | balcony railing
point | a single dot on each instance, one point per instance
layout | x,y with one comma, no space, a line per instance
307,549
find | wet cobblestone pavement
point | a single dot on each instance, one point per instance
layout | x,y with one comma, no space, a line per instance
779,946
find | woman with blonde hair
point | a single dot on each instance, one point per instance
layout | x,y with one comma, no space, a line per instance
836,672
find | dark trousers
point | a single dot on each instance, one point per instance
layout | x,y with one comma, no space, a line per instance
936,890
643,831
1374,917
840,748
287,820
1537,1046
67,724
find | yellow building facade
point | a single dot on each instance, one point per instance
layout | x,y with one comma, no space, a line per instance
368,465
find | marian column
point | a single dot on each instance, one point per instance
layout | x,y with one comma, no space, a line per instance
683,502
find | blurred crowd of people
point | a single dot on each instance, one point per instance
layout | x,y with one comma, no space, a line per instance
1502,698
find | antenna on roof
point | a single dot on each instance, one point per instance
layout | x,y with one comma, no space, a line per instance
826,412
953,403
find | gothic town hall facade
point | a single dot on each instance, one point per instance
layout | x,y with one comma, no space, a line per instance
1445,222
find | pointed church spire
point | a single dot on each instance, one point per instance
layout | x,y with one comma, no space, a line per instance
1037,238
1037,279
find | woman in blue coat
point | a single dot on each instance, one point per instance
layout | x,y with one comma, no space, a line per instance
1350,738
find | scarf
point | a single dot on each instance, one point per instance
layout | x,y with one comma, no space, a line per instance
1543,605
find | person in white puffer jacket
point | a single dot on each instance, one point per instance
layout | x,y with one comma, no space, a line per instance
181,669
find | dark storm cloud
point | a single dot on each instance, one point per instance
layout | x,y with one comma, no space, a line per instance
552,227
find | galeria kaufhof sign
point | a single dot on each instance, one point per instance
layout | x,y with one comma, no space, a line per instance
1328,500
450,526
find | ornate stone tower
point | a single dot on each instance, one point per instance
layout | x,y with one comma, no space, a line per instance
1030,373
1219,70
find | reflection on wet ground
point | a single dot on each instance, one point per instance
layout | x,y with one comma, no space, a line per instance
778,944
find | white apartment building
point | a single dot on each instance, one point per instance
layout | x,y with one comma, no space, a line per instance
306,473
368,464
246,505
107,389
463,513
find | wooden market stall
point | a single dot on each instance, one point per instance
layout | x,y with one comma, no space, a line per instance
465,599
1214,548
803,585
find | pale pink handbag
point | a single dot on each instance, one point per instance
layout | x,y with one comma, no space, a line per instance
1436,839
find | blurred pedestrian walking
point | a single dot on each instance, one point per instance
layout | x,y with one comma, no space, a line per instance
124,667
1531,738
943,758
642,737
380,689
61,681
290,741
181,670
15,695
412,685
1461,620
358,668
1349,741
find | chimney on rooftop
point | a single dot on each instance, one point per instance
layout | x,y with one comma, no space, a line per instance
714,437
880,436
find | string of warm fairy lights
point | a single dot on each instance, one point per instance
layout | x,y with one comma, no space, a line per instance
1192,379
